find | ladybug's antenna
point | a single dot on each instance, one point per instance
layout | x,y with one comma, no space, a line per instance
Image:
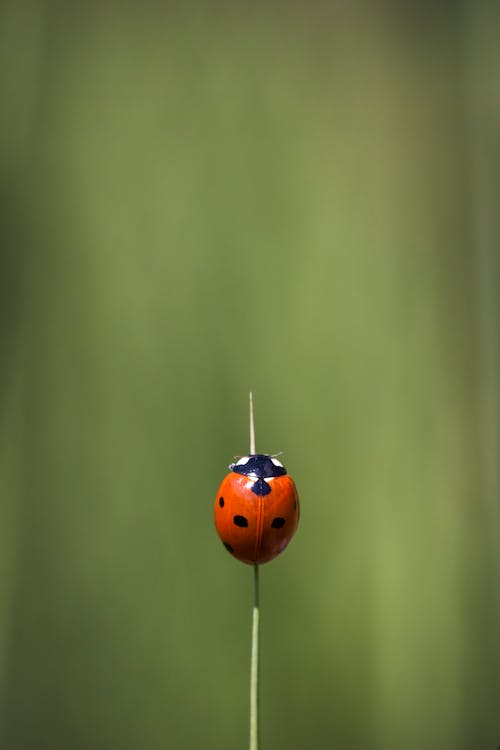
252,427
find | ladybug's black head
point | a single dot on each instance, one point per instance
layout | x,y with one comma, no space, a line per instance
260,466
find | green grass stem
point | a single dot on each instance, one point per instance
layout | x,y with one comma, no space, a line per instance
254,660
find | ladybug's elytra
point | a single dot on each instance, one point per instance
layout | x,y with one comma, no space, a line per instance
256,509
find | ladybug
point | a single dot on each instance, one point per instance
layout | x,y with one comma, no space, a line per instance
256,509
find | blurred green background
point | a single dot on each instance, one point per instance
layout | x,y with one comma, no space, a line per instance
196,200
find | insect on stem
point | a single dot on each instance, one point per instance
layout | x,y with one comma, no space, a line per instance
256,513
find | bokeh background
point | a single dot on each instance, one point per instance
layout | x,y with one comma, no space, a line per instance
196,200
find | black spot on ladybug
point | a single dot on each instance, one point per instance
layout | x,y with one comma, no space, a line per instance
228,547
278,523
240,521
261,487
221,502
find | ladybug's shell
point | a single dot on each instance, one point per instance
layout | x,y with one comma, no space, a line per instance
255,528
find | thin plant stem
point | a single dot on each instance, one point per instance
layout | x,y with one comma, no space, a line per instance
252,427
254,661
254,671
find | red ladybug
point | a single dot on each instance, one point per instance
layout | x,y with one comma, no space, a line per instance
256,509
